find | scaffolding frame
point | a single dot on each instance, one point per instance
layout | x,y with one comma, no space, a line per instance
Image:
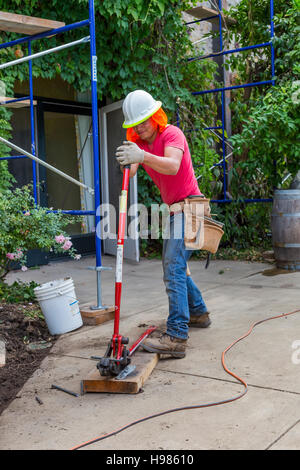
90,22
222,90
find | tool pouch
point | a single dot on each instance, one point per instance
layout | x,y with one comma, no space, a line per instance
201,232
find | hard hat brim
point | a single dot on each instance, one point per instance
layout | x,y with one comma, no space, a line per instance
128,124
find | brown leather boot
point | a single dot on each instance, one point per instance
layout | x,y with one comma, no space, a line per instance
166,344
200,321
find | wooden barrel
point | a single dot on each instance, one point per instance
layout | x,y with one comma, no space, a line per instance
286,228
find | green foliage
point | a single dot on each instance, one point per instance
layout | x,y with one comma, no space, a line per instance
140,44
287,43
25,226
266,120
144,44
271,136
18,292
246,225
6,179
203,149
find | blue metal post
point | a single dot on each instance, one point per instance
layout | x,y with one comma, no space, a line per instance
95,127
32,126
272,62
272,36
95,149
223,105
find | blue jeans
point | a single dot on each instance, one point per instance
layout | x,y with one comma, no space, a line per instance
185,298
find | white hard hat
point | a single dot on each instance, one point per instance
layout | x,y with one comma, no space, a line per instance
138,106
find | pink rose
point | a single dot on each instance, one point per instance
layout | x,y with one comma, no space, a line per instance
10,255
67,245
27,213
60,238
24,268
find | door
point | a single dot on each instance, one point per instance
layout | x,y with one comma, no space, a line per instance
112,135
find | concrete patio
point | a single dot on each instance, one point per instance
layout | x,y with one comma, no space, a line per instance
237,295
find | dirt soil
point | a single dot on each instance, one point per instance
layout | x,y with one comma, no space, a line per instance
27,341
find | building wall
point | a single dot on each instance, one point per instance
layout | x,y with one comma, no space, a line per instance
199,30
55,88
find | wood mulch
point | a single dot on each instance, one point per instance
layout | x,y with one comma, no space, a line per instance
27,342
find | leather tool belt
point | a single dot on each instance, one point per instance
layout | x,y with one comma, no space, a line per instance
201,232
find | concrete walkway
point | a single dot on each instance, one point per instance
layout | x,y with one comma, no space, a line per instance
237,294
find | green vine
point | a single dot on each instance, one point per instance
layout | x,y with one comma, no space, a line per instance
140,44
266,119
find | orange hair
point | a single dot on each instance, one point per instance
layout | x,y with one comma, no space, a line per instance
159,119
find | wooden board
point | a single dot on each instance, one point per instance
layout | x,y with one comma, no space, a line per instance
16,104
204,12
144,362
26,24
95,317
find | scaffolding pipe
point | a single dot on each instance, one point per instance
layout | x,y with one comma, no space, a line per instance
246,201
45,34
234,87
223,106
231,51
50,167
202,19
93,59
32,128
42,53
96,153
13,157
24,98
71,212
272,37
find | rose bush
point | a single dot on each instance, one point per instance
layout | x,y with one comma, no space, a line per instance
25,226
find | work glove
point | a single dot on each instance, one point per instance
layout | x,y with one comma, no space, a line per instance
129,153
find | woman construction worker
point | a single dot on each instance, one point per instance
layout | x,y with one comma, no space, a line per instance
162,150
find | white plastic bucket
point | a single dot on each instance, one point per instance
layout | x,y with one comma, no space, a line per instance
59,305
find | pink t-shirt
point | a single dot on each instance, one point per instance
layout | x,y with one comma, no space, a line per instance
173,188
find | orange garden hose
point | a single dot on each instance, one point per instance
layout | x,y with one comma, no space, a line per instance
190,407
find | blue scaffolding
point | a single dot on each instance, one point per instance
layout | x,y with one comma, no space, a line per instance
222,90
90,23
93,61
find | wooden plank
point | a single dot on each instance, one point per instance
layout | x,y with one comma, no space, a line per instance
204,12
95,317
144,362
14,23
16,104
